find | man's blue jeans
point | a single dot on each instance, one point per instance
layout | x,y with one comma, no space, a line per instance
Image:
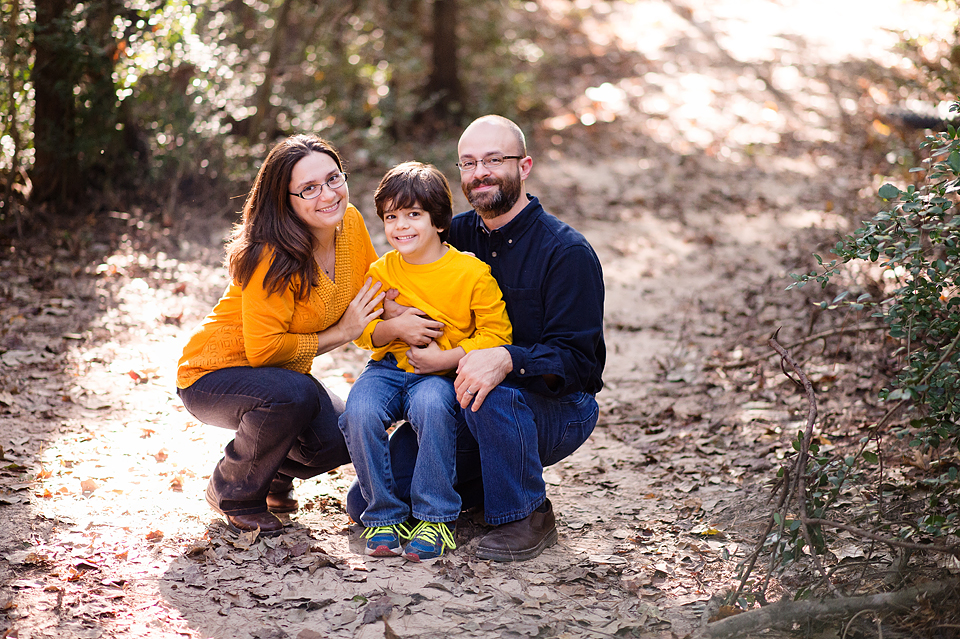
514,435
381,396
285,423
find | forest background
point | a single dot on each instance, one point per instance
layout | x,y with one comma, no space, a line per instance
707,149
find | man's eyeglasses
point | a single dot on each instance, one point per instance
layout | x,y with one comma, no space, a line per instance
314,190
491,162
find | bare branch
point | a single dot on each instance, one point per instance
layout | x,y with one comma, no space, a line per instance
890,541
786,613
804,341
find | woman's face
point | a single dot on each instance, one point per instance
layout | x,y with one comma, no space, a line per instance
323,213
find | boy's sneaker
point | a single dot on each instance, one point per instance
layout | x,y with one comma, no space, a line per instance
430,540
384,541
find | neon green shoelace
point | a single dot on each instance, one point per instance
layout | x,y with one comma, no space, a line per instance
429,531
401,530
376,530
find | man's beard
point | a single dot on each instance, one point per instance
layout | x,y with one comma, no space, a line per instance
492,204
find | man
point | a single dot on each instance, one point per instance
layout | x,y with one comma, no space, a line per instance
530,404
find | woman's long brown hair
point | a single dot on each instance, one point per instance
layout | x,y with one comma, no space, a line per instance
270,221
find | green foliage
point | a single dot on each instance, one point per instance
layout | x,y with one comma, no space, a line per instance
14,100
165,94
915,245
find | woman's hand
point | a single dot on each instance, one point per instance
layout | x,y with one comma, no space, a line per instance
361,311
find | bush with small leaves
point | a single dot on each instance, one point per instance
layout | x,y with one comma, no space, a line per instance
916,243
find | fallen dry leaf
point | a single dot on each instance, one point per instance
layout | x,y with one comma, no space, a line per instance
88,485
154,535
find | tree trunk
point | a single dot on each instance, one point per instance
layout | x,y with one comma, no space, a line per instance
55,173
444,89
265,91
11,36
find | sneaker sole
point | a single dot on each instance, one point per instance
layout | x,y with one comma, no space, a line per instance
498,554
381,551
415,558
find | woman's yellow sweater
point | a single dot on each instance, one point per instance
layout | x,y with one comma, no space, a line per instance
249,327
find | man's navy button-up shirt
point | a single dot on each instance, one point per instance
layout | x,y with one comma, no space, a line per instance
553,287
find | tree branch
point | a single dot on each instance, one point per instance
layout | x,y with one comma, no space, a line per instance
786,613
800,469
890,541
804,341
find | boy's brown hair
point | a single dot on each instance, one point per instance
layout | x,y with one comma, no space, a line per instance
417,184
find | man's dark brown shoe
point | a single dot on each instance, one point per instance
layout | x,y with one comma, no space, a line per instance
267,522
520,540
282,501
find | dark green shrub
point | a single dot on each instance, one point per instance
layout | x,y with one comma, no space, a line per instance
916,245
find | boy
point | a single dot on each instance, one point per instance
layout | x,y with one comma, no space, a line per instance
399,382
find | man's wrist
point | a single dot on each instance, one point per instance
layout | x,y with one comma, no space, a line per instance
508,365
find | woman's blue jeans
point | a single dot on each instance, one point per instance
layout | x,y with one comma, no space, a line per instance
381,396
286,426
514,435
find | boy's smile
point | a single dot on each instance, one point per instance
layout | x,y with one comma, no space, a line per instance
412,233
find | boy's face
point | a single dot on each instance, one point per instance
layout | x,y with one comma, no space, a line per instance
412,233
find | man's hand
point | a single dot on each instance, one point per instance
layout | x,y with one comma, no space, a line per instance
479,372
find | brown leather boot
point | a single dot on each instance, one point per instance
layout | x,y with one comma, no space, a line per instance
520,540
267,522
283,502
281,498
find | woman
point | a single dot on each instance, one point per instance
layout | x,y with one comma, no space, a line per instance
297,262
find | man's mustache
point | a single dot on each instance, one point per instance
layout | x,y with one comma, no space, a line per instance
484,182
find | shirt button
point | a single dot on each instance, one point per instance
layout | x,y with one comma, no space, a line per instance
494,254
509,241
523,372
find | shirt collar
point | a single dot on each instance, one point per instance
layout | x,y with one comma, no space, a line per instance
518,225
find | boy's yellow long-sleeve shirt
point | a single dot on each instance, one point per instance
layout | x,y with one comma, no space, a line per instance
251,327
457,290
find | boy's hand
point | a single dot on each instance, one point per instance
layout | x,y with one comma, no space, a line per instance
427,359
390,307
415,328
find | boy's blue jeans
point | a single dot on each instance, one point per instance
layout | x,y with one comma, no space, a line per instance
514,435
381,396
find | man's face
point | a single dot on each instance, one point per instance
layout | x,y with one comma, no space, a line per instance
491,190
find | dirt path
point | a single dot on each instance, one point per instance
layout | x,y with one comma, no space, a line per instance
737,141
